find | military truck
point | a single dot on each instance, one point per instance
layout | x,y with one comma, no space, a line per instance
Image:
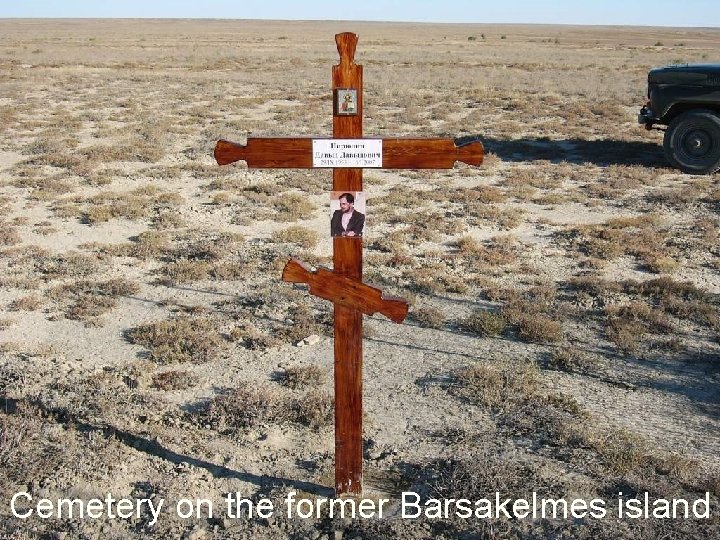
686,99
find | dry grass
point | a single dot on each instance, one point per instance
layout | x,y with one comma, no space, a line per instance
292,206
643,237
113,127
496,388
184,339
531,314
174,380
429,316
251,405
299,377
484,323
26,303
298,235
87,300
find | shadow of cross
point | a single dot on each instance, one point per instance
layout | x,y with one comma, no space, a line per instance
347,153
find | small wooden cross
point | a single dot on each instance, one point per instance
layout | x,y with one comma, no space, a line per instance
343,285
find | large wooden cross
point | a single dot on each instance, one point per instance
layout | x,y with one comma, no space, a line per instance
343,284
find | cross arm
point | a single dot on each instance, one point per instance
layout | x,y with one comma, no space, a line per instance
296,153
267,152
345,291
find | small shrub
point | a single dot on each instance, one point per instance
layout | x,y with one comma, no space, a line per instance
67,265
184,271
315,409
621,451
302,376
174,380
293,206
567,359
245,406
496,387
251,405
253,338
90,306
539,329
222,199
26,303
661,265
302,236
8,235
149,245
484,323
184,339
429,316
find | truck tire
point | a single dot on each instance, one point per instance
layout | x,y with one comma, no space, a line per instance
692,142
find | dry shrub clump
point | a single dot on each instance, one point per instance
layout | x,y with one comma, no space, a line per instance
202,255
250,405
514,394
146,245
429,316
25,452
253,338
26,303
567,359
174,380
297,377
302,236
183,339
643,237
477,256
628,324
435,278
8,235
530,314
67,265
484,323
292,206
140,203
303,322
681,299
496,387
86,300
632,311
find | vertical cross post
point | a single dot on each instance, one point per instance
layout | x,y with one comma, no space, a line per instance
343,285
347,261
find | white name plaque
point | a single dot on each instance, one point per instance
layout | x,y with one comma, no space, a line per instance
347,153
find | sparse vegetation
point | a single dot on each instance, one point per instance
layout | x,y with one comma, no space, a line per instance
429,316
183,339
250,405
298,377
484,323
174,380
301,236
564,317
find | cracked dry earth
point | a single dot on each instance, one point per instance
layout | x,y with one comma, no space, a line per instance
563,331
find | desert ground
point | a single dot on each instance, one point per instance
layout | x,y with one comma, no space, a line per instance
563,334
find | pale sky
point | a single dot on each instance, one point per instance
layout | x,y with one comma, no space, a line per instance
626,12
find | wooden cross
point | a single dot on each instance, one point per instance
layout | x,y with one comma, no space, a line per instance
343,285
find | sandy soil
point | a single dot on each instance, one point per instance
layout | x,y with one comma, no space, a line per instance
533,358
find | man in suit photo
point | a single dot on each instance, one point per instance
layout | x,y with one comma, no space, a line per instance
347,221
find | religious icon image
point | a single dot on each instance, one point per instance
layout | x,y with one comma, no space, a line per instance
346,101
347,214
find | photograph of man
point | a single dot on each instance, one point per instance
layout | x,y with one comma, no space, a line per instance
347,221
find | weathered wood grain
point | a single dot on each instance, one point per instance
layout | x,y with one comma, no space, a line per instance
343,291
398,153
347,262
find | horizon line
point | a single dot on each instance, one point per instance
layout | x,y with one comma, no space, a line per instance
464,23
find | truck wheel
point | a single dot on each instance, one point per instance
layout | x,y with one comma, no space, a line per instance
692,142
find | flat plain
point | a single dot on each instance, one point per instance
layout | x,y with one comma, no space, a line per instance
563,336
